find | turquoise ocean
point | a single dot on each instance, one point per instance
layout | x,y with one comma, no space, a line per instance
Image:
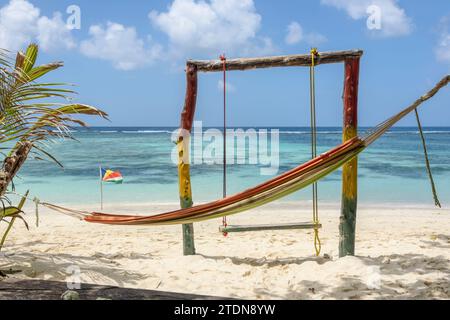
392,170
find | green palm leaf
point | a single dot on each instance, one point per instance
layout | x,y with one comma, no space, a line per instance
29,110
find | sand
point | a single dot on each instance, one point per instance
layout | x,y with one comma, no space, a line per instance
402,253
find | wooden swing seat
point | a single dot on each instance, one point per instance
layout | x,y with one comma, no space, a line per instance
262,227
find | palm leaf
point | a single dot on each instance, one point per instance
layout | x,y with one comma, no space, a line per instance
38,72
30,57
30,110
14,214
10,211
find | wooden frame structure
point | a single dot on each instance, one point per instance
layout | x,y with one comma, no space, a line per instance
350,58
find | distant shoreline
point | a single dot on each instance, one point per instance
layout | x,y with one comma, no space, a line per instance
259,126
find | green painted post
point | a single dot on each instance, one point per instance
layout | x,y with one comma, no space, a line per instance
188,239
184,179
185,196
347,221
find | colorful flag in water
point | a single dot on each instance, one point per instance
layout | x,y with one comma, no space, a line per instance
111,176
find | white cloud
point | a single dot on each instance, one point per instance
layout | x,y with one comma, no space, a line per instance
443,48
212,27
394,21
22,23
295,34
53,33
17,24
315,39
230,87
121,45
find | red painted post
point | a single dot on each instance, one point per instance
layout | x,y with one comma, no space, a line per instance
347,223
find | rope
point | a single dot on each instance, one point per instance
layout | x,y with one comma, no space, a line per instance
381,128
224,186
80,214
312,92
36,203
427,162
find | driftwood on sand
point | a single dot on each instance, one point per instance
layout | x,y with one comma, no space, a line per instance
14,289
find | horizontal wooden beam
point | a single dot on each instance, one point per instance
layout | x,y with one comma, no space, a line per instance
274,61
262,227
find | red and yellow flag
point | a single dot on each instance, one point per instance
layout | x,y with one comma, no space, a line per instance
111,176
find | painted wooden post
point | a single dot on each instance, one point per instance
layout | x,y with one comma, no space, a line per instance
347,219
184,179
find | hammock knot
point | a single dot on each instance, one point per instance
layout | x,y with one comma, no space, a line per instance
314,54
36,200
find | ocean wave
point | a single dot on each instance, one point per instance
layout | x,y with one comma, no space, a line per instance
417,132
146,131
435,132
389,132
309,132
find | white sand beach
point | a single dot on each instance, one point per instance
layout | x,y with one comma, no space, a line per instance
402,253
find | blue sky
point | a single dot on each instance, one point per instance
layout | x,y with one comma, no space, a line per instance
128,56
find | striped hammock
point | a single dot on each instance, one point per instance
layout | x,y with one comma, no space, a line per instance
276,188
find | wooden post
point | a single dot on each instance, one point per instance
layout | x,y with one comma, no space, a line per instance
184,179
350,169
101,186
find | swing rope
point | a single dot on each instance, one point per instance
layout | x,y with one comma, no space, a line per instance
314,54
224,186
427,162
312,92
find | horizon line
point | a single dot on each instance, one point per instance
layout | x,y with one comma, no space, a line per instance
259,126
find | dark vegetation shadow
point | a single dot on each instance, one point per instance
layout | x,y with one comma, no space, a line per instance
440,241
57,267
263,261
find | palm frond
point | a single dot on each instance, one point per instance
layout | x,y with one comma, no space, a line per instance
29,110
